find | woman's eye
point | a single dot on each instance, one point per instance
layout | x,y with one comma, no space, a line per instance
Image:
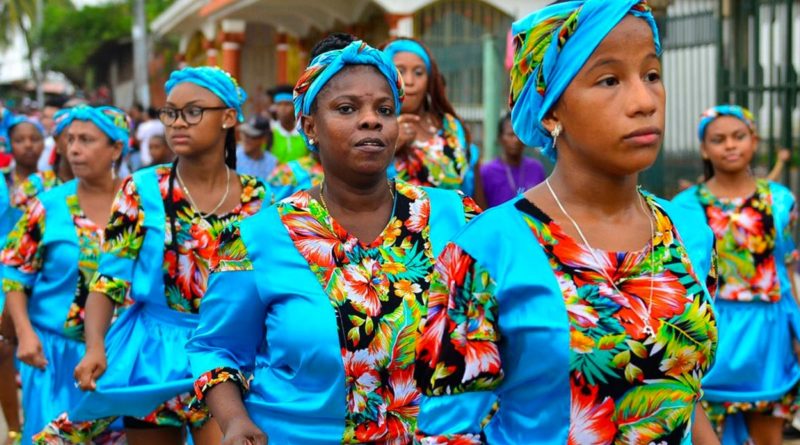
419,72
386,111
741,136
653,77
346,109
609,82
193,111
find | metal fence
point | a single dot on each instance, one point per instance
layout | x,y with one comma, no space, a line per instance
727,51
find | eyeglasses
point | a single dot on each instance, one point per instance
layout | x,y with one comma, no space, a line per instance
191,114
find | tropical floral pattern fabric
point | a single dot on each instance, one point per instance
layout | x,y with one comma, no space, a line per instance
439,162
185,274
627,386
29,188
283,175
25,252
379,291
746,241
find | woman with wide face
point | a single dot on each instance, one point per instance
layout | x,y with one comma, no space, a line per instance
432,145
42,181
50,258
562,315
319,297
752,389
158,247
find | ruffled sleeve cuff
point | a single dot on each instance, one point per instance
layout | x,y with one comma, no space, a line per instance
10,285
214,377
449,439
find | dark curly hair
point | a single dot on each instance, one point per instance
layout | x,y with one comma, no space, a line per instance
331,42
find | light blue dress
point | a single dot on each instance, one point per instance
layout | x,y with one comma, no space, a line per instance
756,355
48,392
517,387
267,315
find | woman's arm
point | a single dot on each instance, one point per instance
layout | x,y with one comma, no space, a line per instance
29,349
99,311
225,404
702,431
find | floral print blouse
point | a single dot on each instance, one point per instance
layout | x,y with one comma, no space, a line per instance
283,175
30,188
379,291
439,162
25,252
626,386
185,274
746,243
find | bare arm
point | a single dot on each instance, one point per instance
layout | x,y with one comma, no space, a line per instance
99,311
784,156
29,349
225,403
702,431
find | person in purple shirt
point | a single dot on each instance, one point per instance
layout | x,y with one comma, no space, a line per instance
513,172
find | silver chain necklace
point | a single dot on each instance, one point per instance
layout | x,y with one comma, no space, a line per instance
649,215
191,201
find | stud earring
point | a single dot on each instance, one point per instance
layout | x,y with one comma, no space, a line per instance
311,141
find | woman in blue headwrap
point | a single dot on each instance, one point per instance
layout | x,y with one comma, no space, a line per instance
158,245
61,172
753,388
433,148
580,312
9,400
49,259
319,297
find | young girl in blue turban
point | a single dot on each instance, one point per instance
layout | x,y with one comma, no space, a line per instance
49,259
580,312
319,297
752,389
159,243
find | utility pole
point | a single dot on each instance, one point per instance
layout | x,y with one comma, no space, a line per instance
38,55
139,34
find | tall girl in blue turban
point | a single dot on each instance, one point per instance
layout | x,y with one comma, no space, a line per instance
433,148
49,260
752,390
319,297
158,245
44,180
580,312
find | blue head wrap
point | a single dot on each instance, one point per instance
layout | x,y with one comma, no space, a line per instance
282,97
110,120
213,79
20,119
408,46
61,120
551,47
326,65
710,115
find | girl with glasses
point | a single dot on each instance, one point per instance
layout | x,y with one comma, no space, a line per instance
158,246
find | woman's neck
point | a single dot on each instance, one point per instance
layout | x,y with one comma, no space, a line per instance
203,169
103,184
22,172
604,195
513,161
732,184
366,196
64,172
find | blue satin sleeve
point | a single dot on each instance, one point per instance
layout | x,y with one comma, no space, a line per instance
231,326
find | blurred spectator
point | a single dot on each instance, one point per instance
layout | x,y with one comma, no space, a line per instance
253,156
147,129
287,143
160,153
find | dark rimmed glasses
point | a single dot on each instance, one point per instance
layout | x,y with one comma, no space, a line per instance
191,114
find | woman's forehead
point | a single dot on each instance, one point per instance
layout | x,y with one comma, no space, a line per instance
189,92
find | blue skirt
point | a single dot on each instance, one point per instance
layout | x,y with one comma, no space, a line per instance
755,358
147,364
48,392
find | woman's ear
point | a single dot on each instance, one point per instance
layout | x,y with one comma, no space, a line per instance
551,121
309,126
229,119
117,151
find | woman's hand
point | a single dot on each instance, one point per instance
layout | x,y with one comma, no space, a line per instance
29,350
242,431
92,366
408,127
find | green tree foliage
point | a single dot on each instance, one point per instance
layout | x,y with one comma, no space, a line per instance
71,36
